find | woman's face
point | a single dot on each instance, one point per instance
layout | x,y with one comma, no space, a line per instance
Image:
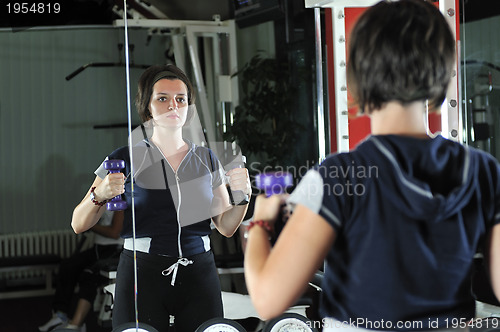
169,103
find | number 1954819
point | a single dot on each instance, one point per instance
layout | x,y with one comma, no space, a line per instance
33,8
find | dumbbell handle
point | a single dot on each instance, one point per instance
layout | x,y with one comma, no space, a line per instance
116,203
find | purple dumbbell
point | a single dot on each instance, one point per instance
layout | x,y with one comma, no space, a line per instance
114,166
274,182
237,197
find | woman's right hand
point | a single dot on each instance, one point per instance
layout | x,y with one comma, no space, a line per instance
269,208
112,185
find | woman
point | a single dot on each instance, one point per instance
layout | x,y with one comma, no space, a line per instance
179,189
399,245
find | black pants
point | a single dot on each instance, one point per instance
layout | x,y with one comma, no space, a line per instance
194,299
82,268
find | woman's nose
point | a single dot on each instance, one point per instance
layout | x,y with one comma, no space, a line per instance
172,104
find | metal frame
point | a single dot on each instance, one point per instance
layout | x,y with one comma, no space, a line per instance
339,3
340,79
47,289
450,115
186,33
451,120
319,88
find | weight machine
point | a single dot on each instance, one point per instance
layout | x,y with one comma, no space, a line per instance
346,130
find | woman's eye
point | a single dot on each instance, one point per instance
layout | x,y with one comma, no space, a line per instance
181,100
162,99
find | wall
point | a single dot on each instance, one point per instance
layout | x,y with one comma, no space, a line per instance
252,39
48,146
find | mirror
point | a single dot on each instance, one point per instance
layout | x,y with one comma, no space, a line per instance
480,66
58,121
63,108
171,202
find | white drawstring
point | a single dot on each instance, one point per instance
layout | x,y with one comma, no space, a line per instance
174,267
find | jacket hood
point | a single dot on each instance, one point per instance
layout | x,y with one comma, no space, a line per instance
432,178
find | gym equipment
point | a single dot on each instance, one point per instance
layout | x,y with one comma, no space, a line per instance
237,197
220,325
131,327
290,322
114,166
275,183
107,64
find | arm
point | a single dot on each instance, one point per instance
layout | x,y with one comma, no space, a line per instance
112,231
277,278
86,214
228,221
493,256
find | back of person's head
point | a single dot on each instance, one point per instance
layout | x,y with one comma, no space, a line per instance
400,51
148,79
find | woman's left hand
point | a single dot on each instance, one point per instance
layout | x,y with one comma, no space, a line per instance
239,180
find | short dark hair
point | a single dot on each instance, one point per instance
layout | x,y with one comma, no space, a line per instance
400,51
145,88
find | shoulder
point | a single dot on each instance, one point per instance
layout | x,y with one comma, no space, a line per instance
124,153
340,165
120,153
201,150
204,153
485,163
341,158
481,155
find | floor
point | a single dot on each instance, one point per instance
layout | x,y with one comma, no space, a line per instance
26,314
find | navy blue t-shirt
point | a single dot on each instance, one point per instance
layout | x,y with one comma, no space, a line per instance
173,210
409,215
